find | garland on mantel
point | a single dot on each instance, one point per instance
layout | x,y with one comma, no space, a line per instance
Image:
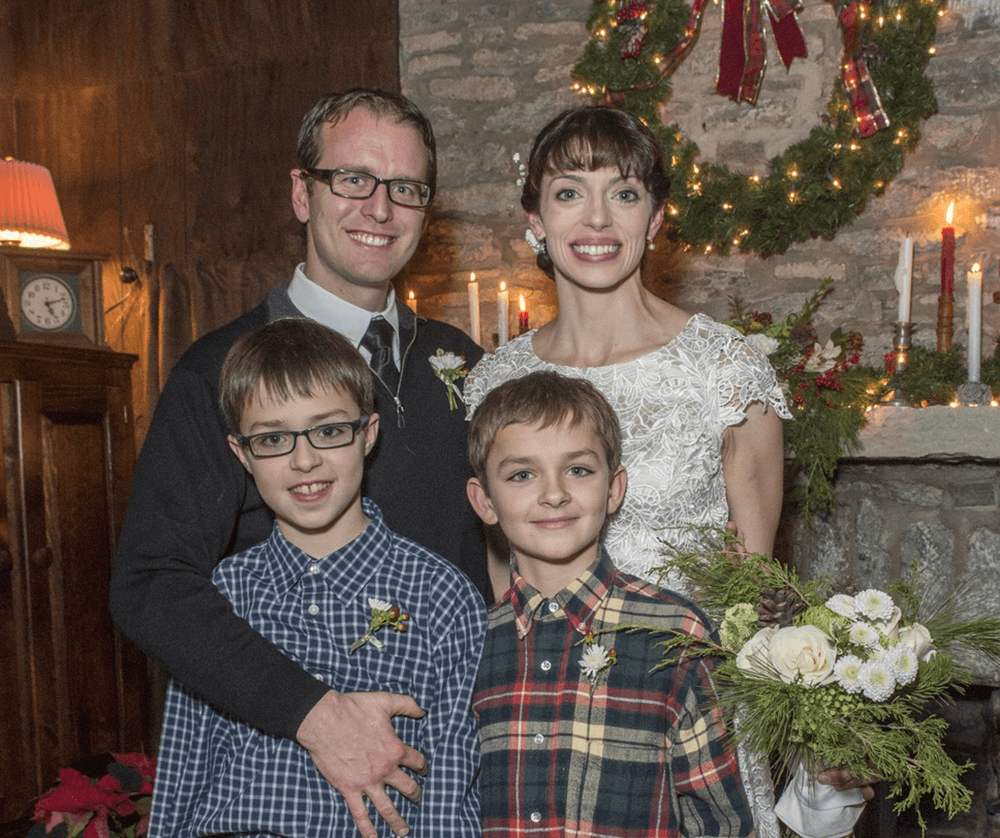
830,393
817,184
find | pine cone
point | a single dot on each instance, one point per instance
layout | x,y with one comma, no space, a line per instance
804,334
778,607
854,341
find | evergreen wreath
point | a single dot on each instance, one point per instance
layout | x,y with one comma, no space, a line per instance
817,184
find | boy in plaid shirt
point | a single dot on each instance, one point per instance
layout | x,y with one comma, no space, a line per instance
579,734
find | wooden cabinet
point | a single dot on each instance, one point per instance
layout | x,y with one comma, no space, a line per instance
70,686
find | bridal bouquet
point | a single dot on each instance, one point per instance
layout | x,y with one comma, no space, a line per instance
826,678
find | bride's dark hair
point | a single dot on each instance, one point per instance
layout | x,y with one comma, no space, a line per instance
590,138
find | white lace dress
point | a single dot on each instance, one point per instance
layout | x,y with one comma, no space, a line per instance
674,405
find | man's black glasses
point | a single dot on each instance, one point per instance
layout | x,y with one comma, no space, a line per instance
360,185
276,443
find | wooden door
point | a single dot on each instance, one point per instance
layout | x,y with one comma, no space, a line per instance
80,689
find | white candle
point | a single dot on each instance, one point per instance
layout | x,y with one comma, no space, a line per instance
473,307
904,279
412,300
503,301
974,354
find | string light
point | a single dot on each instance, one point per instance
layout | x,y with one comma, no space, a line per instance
836,184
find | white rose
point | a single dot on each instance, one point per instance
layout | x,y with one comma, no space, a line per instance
919,639
804,652
762,343
753,657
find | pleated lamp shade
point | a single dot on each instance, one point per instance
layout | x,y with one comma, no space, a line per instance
29,209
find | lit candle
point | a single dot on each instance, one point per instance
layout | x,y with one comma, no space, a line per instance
904,279
473,307
522,316
948,253
412,300
503,301
975,280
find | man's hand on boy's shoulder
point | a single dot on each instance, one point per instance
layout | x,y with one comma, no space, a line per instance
352,742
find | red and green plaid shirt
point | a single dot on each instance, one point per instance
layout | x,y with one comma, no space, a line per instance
646,755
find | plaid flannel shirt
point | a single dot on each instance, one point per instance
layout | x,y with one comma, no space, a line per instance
644,755
218,775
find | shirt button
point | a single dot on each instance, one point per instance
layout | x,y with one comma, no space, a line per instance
535,817
314,610
546,666
553,607
539,738
314,568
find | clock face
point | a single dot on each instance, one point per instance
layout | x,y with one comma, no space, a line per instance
47,303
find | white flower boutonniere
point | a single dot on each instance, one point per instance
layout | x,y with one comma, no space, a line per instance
383,614
596,660
449,367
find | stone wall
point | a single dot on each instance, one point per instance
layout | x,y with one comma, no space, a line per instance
490,75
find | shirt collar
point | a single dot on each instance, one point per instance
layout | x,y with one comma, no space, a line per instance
346,570
338,314
578,602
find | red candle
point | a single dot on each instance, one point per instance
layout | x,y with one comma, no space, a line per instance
948,254
522,316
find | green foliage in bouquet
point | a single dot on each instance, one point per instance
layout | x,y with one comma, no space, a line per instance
829,678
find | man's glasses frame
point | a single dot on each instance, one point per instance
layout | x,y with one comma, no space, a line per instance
287,440
358,186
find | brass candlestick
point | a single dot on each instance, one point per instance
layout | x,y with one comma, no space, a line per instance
946,308
901,343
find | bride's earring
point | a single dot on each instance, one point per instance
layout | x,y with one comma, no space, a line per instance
650,245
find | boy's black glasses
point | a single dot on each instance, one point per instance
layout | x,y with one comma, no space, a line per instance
276,443
361,185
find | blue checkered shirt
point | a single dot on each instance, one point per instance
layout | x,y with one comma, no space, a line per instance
217,775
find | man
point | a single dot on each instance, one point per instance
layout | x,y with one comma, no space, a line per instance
365,177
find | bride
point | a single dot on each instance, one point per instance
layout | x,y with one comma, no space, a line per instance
700,408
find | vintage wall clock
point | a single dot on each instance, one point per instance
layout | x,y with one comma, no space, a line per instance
53,296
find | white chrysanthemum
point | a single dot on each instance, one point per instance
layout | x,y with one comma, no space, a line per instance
595,659
878,680
842,604
875,604
904,663
847,671
864,634
378,604
446,362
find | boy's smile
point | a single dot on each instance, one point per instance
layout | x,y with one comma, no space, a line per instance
315,493
550,490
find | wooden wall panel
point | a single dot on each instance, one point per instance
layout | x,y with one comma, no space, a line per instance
181,114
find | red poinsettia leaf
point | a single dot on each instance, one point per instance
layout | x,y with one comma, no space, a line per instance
98,827
140,762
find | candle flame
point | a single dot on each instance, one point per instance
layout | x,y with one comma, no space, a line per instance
520,298
472,277
411,295
503,286
976,268
951,213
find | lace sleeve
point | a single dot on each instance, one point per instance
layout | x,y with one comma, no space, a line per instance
746,376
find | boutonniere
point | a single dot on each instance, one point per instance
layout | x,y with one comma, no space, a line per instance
449,367
383,614
596,660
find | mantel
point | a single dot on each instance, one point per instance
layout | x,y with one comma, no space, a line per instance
930,433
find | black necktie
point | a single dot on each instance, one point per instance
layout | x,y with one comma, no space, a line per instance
378,341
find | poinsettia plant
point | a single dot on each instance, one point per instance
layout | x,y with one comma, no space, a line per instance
104,796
